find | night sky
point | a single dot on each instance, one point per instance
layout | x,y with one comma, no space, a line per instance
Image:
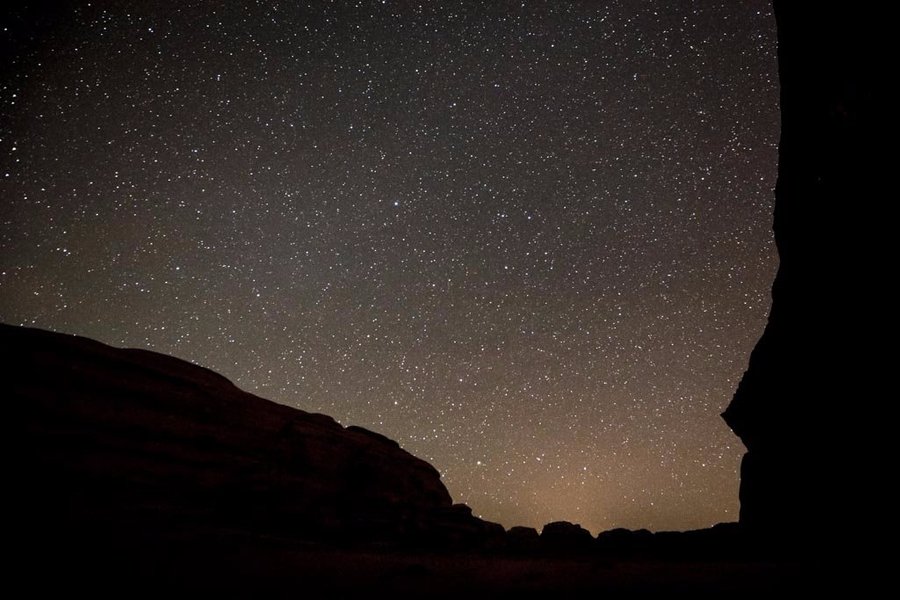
530,241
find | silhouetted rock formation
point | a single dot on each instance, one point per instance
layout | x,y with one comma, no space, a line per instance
141,475
522,539
565,536
724,541
124,446
625,541
800,406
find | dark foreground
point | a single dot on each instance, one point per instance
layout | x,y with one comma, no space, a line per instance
233,570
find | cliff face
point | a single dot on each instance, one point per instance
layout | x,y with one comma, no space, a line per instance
127,446
799,406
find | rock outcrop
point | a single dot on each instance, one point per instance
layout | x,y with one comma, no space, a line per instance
522,539
125,447
563,536
724,541
624,541
804,407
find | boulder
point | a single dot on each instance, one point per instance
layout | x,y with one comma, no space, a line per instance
522,539
564,536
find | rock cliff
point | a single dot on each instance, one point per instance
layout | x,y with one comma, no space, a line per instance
801,407
118,445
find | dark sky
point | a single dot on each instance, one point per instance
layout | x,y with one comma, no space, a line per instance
528,240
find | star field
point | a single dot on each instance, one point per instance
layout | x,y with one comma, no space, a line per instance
530,241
